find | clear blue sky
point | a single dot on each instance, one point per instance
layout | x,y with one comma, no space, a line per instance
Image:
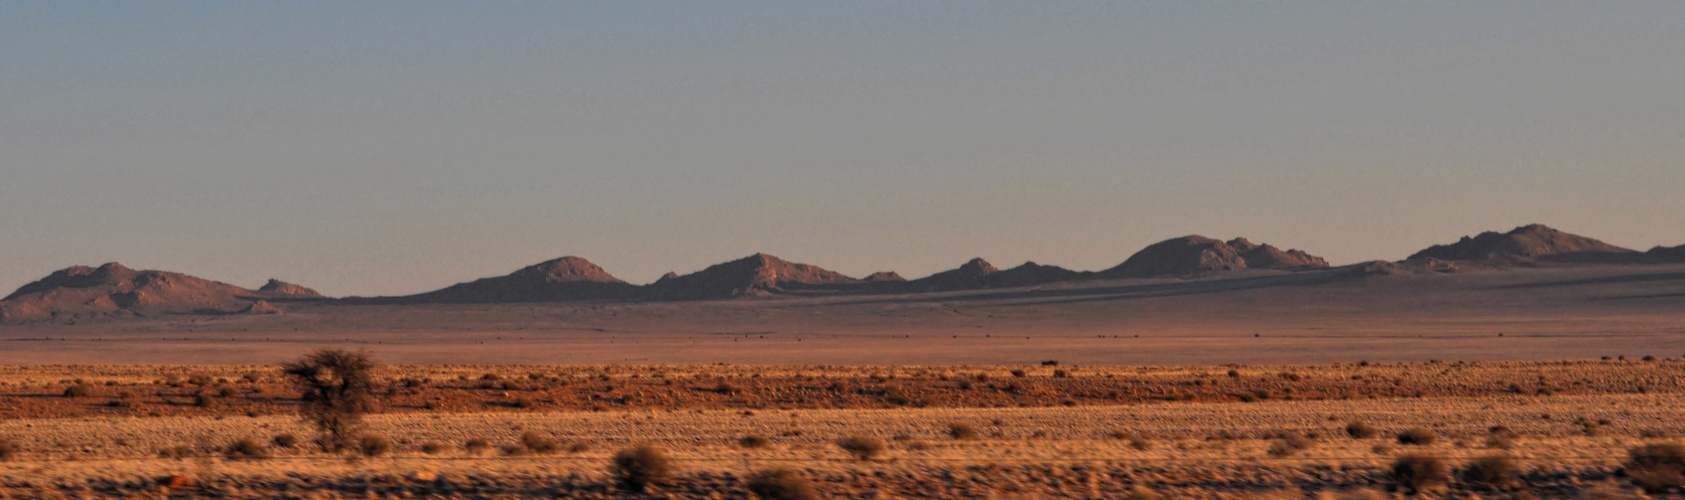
396,147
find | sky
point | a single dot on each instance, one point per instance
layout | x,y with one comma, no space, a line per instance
371,148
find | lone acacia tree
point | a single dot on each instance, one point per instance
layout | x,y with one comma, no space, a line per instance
335,389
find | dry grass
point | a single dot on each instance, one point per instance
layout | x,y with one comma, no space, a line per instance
1177,449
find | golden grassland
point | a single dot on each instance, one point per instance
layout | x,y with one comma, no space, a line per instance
1051,432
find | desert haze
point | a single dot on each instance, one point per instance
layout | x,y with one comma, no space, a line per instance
1533,293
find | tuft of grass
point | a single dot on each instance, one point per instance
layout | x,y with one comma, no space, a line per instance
246,448
1361,430
76,391
539,443
432,448
753,441
639,467
1657,467
961,430
8,450
285,440
1415,473
477,446
781,484
1492,471
374,446
863,448
1417,436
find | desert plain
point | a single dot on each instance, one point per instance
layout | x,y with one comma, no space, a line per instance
1508,377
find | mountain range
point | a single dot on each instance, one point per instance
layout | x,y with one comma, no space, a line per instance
112,291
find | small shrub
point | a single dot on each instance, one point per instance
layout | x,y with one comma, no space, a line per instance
1060,374
753,441
8,450
962,431
1417,472
863,448
727,389
1361,430
285,440
1050,362
374,446
176,452
539,443
431,448
781,484
1417,436
1657,467
1018,373
894,395
476,446
246,448
1492,471
227,392
204,400
639,467
76,391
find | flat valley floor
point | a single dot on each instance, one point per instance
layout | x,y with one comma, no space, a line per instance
1253,431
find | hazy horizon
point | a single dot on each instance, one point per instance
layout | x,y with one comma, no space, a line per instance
394,148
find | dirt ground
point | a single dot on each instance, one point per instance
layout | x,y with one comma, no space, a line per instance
1569,426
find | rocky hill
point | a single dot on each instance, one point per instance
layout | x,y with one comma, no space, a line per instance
563,279
1193,255
1530,243
758,275
81,293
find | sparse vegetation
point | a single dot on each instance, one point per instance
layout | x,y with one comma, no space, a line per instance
1415,473
753,441
374,446
1361,430
285,440
1417,436
336,389
639,467
861,447
76,391
246,448
1492,471
959,430
781,484
476,446
539,444
1657,467
8,450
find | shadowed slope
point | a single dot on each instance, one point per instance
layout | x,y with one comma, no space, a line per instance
567,278
757,275
1533,242
112,290
979,274
278,288
1191,255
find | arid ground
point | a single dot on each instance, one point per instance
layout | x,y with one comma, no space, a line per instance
1038,431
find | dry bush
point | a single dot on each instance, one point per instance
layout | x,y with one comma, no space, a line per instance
962,431
246,448
753,441
863,448
285,440
1417,436
477,446
176,452
539,443
432,448
1657,467
1361,430
781,484
374,446
1417,472
639,467
8,450
336,388
76,391
1492,471
1290,444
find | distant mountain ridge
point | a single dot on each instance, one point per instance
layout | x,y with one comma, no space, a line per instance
1533,242
80,293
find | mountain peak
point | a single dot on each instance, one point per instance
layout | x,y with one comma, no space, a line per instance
1195,254
279,287
1532,241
